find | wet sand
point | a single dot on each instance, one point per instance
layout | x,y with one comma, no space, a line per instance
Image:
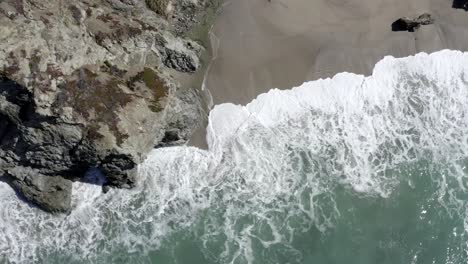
261,44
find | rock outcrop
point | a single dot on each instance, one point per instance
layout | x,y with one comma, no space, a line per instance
88,84
412,24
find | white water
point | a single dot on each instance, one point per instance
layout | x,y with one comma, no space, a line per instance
272,164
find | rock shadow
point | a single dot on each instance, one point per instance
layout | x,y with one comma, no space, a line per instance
401,25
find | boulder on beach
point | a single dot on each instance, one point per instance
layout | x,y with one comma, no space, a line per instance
412,24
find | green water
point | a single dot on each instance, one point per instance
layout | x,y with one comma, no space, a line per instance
417,223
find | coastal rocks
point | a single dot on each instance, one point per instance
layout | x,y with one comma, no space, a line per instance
161,7
51,193
88,84
412,24
183,58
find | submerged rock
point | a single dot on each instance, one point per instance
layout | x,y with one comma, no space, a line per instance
86,84
412,24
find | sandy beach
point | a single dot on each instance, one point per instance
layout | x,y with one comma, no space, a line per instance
282,43
261,44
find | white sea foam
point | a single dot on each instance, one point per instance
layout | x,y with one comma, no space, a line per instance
271,169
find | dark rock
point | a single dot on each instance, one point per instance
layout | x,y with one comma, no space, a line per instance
180,61
76,14
171,138
50,193
120,170
460,4
106,188
412,24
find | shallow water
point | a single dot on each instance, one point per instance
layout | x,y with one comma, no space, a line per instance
410,226
352,169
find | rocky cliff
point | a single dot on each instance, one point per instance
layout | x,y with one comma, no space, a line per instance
89,84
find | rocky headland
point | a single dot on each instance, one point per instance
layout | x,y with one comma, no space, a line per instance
90,84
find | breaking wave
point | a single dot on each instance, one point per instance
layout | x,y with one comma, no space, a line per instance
272,171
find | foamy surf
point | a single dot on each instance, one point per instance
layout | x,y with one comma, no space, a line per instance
275,170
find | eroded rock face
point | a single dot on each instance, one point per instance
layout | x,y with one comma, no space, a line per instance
86,84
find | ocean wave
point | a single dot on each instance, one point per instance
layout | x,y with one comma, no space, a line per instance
271,171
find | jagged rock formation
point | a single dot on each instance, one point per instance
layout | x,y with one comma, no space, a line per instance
88,84
412,24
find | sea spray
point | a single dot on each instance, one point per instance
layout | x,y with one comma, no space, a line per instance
289,165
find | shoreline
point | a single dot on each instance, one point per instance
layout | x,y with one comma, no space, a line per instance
273,48
277,44
198,138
